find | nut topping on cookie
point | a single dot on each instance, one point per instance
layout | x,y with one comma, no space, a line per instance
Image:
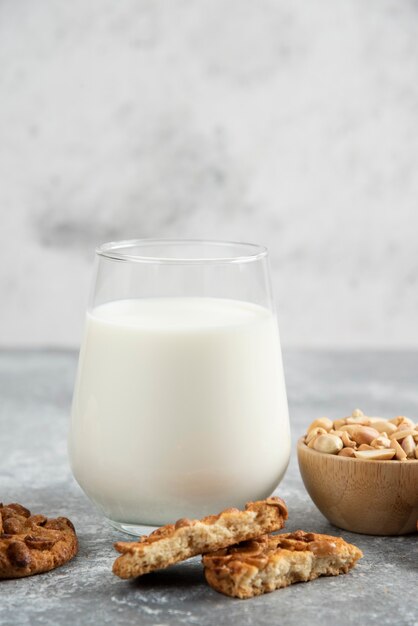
18,554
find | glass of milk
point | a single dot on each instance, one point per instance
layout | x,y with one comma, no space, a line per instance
180,405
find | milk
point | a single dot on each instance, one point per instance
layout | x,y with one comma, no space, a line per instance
180,408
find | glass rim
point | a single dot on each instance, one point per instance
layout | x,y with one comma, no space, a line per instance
120,251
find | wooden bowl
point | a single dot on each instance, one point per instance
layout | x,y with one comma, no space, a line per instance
369,497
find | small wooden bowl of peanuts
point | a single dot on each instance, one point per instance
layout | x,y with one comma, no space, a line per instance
362,472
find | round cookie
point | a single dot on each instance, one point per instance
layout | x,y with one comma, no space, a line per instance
32,544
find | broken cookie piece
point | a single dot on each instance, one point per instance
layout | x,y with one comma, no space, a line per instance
177,542
275,561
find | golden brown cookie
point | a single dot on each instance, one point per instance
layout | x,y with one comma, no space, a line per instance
31,544
186,538
274,561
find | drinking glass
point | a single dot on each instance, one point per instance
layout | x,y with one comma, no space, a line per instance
180,405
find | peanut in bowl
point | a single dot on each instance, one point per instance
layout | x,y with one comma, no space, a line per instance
371,489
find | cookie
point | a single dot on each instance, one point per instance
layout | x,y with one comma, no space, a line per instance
275,561
186,538
31,544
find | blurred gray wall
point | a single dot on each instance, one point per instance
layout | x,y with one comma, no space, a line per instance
293,124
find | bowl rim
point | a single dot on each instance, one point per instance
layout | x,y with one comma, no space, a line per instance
301,444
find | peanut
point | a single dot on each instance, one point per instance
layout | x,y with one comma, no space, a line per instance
360,421
399,451
363,434
348,443
338,433
408,446
312,441
12,526
401,419
375,455
330,444
381,442
384,426
349,428
312,434
401,434
40,543
18,554
349,452
18,508
321,422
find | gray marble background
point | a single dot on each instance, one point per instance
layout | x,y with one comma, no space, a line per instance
289,123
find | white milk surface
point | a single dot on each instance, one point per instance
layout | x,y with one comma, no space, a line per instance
180,408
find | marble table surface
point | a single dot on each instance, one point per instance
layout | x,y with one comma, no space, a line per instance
35,397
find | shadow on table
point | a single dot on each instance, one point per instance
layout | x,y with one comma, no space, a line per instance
182,575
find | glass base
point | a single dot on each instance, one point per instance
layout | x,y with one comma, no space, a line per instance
132,529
